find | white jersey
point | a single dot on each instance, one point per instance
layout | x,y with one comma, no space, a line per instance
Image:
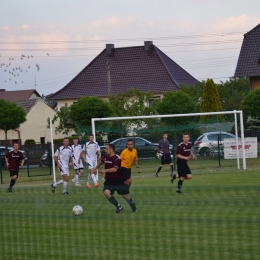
76,151
91,149
63,154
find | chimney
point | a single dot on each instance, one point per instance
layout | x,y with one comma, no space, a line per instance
147,45
109,49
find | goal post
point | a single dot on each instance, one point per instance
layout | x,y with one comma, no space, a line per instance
52,152
234,112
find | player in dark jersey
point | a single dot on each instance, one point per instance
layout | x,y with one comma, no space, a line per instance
14,159
114,180
164,150
183,155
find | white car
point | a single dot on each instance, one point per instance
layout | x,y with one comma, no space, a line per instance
210,140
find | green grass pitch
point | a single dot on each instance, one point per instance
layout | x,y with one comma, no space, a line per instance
216,217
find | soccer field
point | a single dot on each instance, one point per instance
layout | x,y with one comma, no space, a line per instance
216,217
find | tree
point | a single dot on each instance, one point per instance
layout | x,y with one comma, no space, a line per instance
195,92
210,101
87,108
251,108
11,116
232,93
176,103
65,125
133,102
251,104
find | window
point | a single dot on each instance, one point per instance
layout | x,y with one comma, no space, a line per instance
213,137
139,142
122,143
150,104
225,136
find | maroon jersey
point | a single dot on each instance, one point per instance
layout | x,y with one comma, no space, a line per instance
112,162
183,150
14,160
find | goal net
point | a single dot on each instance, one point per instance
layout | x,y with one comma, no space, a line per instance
147,131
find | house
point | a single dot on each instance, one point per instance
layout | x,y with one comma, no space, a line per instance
248,64
35,127
17,95
144,67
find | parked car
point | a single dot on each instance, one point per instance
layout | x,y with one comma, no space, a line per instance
209,141
3,153
145,148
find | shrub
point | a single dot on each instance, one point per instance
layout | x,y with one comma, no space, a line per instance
29,141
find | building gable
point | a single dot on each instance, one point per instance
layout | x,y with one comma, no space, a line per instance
143,67
248,64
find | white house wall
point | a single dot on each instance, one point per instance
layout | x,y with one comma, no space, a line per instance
36,125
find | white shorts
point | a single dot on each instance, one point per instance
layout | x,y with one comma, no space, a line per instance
64,168
93,163
78,166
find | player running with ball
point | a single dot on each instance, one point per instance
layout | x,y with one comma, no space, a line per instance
114,179
183,155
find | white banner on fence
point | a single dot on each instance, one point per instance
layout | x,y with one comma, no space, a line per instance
230,148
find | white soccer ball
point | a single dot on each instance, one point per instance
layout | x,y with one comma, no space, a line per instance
77,210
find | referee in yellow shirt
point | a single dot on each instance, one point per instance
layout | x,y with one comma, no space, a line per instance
128,157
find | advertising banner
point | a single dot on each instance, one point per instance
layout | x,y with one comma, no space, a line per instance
230,148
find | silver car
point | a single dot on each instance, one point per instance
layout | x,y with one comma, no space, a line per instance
208,141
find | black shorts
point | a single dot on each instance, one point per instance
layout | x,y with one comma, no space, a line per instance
166,159
117,185
126,172
13,173
183,168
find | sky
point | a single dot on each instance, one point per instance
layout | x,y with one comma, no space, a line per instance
45,44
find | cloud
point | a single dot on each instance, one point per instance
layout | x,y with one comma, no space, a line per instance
241,23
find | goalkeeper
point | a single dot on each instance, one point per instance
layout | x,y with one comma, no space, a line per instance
163,151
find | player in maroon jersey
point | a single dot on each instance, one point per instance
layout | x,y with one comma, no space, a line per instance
183,155
114,180
14,159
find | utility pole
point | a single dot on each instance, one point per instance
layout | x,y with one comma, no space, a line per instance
108,81
35,82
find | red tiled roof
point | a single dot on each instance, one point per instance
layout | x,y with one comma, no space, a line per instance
17,95
130,67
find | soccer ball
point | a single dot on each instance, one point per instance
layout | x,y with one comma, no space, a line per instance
77,210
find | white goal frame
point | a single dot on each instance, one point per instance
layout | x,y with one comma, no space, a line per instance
234,112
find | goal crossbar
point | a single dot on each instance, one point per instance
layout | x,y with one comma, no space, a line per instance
234,112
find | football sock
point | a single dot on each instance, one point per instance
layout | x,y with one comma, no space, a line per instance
159,168
94,178
97,176
171,169
12,183
113,201
57,183
65,184
89,178
131,204
180,182
76,178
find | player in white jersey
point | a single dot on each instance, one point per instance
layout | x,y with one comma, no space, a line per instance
78,165
63,159
92,151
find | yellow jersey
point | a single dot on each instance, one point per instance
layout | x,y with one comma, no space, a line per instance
128,158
